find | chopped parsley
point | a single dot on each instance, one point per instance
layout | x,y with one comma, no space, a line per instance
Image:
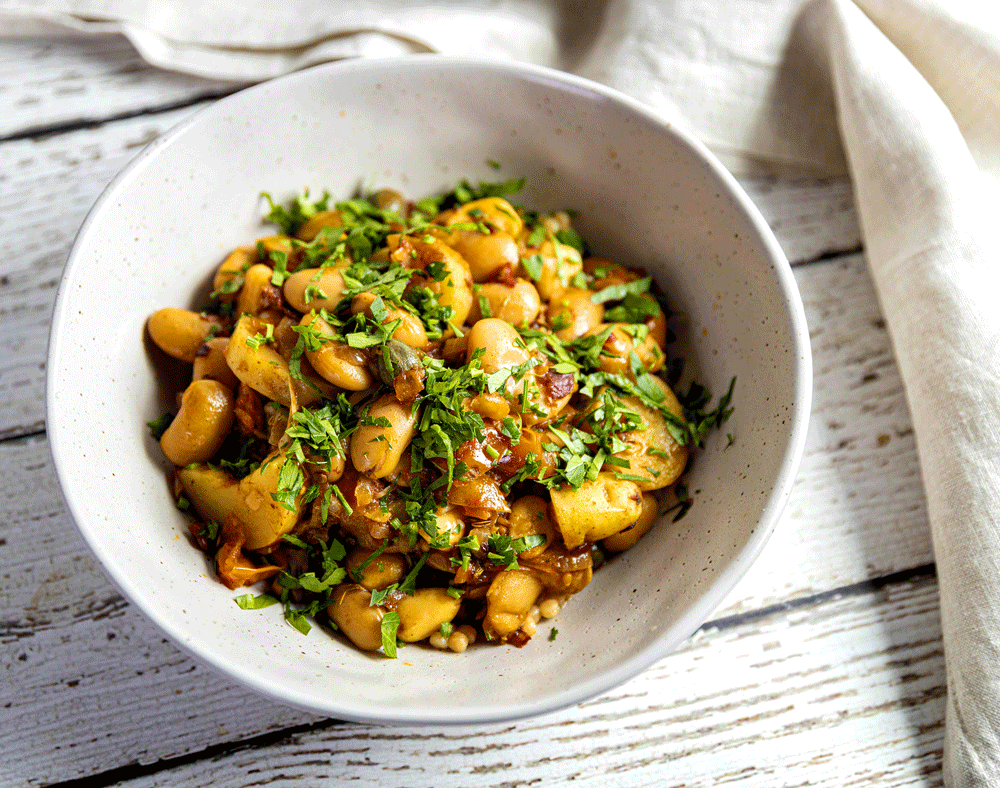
259,602
633,308
159,425
701,421
300,210
392,260
533,266
620,291
389,628
503,550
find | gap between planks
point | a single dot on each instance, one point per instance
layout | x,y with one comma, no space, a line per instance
78,639
770,715
42,132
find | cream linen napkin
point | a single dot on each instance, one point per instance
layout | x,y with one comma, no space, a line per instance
917,87
732,68
924,147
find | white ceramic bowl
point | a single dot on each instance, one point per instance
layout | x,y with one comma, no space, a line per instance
647,194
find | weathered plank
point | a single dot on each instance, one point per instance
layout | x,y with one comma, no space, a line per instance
810,218
46,190
857,508
842,692
73,644
53,83
752,704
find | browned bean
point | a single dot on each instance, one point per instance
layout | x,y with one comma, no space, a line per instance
335,361
353,614
180,332
518,304
315,288
573,314
375,449
201,425
210,363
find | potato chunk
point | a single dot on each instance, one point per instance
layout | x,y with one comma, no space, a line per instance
266,371
597,510
215,494
652,452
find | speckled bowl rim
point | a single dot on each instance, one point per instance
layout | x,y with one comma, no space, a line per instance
685,626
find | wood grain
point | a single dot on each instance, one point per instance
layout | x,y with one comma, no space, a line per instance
64,175
48,85
857,509
825,668
752,704
76,649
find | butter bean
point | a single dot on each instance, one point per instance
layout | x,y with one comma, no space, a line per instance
528,516
502,345
623,540
229,278
410,330
616,354
390,200
422,614
494,212
381,572
210,363
450,528
518,304
312,226
324,286
454,289
574,307
486,253
353,614
376,450
180,332
266,371
336,361
508,600
201,425
607,273
252,298
560,263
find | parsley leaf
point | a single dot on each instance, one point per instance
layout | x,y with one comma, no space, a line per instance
633,309
251,602
618,292
296,213
159,425
533,265
572,238
389,627
700,421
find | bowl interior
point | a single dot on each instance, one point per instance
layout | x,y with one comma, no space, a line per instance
646,195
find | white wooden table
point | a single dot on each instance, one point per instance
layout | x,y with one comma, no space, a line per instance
824,667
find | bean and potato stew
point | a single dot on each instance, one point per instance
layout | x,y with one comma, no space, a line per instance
424,421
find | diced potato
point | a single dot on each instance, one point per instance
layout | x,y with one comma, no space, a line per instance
215,494
597,510
652,452
266,371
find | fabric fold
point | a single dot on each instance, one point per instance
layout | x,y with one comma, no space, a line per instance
912,85
927,213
